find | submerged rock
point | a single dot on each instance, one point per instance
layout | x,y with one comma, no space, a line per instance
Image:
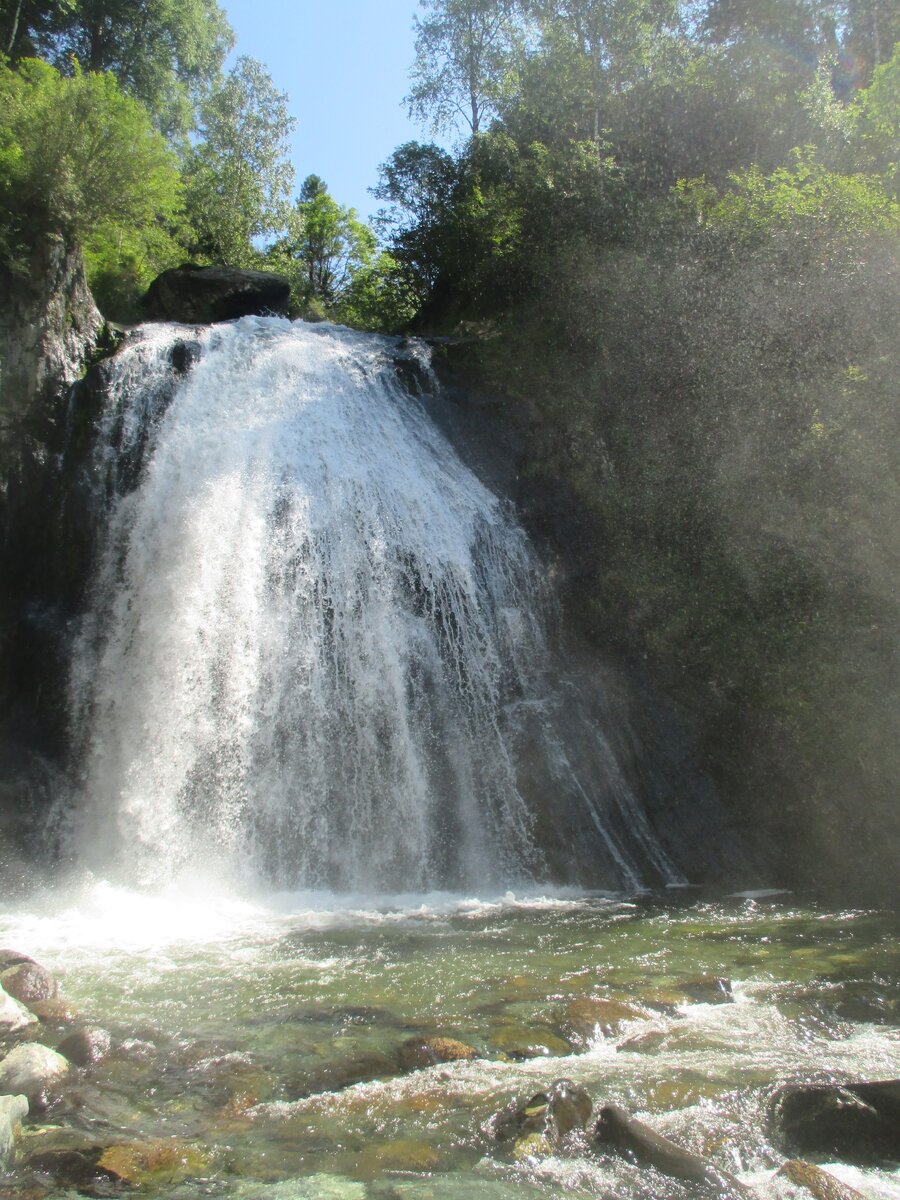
33,1070
618,1130
521,1042
403,1154
817,1182
419,1052
589,1017
13,1015
201,295
153,1162
855,1122
84,1047
540,1125
13,1110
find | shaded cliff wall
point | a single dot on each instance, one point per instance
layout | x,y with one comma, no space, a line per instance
49,327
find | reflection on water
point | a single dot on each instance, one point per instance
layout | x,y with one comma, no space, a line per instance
259,1045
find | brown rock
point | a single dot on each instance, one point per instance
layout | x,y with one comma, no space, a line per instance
419,1052
28,982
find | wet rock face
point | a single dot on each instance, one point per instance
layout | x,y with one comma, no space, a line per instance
204,295
48,326
854,1122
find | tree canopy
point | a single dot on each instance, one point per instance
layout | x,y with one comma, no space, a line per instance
238,177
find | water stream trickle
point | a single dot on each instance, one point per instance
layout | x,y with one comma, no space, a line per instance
316,654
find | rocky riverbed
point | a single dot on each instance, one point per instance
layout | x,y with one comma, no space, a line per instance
438,1047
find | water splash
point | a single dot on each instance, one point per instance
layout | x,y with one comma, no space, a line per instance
316,652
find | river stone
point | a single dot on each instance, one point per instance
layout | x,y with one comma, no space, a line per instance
819,1183
13,1110
591,1016
540,1125
854,1122
201,295
419,1052
28,983
84,1047
32,1069
13,1015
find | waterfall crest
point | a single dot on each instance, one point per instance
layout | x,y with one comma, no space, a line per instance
317,652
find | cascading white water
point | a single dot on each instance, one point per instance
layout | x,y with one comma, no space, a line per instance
316,651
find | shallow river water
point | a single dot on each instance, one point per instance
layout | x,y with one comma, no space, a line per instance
257,1047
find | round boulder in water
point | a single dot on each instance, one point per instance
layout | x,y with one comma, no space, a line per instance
28,982
203,295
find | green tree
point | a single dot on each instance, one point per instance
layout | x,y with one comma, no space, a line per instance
238,178
165,53
462,55
601,48
326,247
77,156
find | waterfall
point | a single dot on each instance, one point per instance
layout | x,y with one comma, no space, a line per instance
316,652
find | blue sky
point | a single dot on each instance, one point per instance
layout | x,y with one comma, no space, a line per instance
345,66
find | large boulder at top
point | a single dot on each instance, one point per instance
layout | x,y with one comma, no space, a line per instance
202,295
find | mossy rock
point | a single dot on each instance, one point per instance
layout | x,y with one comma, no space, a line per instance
820,1184
142,1164
419,1052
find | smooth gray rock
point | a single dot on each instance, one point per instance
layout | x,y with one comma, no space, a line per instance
32,1070
13,1109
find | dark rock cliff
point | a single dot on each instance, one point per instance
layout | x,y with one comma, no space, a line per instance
49,327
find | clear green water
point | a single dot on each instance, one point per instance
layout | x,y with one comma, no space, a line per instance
257,1043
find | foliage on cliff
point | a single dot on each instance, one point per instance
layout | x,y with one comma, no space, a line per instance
679,238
